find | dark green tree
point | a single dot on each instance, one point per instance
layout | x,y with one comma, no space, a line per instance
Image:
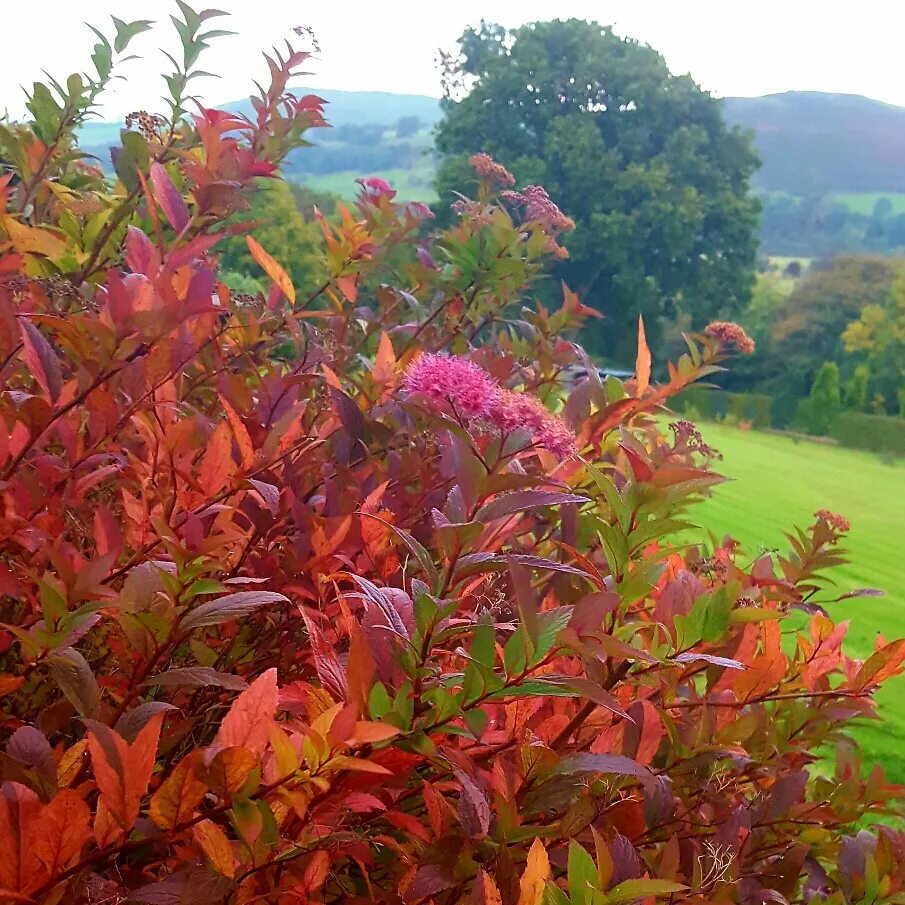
641,160
856,389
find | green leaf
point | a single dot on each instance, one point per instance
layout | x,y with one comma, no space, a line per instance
640,889
126,31
582,875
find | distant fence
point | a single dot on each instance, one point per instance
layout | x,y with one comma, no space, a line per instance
882,434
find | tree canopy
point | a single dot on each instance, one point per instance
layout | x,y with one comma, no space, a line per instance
641,160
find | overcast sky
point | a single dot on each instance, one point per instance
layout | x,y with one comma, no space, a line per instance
730,47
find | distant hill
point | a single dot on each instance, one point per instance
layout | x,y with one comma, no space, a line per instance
813,143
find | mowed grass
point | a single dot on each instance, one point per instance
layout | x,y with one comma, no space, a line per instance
410,185
864,202
778,482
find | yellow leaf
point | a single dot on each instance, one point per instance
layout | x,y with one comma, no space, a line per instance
216,847
642,362
28,240
271,268
537,872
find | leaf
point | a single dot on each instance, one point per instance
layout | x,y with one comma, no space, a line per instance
240,432
28,240
169,198
582,875
384,370
70,670
19,808
606,763
60,831
228,772
182,791
131,722
122,771
535,876
213,842
881,665
271,268
642,361
125,31
485,891
41,360
509,503
692,657
197,677
217,465
416,548
232,606
247,725
473,810
642,889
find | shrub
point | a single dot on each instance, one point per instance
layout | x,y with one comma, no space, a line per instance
856,391
295,613
878,433
820,410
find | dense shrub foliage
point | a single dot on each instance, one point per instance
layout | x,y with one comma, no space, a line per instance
346,594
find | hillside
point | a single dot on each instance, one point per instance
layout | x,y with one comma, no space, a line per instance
812,143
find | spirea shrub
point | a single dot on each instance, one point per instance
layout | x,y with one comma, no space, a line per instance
350,593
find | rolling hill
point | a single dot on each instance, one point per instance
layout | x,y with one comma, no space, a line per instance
812,143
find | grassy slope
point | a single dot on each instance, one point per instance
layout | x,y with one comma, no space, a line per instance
779,482
411,185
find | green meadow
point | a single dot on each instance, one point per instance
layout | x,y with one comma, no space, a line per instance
777,482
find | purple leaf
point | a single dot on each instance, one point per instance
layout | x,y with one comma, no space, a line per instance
41,360
509,503
232,606
473,810
198,677
132,722
692,657
607,763
168,197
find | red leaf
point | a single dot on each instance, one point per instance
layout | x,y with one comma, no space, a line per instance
19,808
41,360
473,810
881,665
247,725
246,447
217,464
167,196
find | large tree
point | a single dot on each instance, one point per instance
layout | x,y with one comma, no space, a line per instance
641,160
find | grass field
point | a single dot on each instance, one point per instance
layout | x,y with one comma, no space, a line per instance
410,185
863,202
778,482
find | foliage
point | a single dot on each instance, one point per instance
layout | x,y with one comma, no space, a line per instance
280,227
639,158
856,389
878,336
807,329
281,627
878,433
821,409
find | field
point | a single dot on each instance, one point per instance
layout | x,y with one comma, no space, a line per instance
778,482
411,185
863,202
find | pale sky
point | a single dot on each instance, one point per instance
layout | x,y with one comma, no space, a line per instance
730,47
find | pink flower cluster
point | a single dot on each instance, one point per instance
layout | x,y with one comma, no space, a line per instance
375,187
730,334
445,380
541,209
448,381
487,168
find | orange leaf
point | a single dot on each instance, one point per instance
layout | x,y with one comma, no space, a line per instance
316,871
271,268
485,891
229,771
217,465
246,447
642,362
367,733
247,725
28,240
60,831
8,684
880,665
182,791
384,369
19,808
213,842
122,771
534,879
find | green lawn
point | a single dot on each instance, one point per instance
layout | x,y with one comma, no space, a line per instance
778,482
863,202
410,185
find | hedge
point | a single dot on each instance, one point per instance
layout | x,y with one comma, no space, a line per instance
715,405
878,433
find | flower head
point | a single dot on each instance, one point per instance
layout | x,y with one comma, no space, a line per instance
519,411
838,523
373,187
487,168
730,334
539,208
445,380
